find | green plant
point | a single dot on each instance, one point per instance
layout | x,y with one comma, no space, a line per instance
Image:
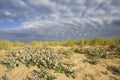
93,61
42,57
114,69
10,62
70,73
43,74
78,50
65,53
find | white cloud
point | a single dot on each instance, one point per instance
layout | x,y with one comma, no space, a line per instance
9,14
82,17
38,3
19,3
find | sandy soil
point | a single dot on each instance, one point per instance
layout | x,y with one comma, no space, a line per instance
86,71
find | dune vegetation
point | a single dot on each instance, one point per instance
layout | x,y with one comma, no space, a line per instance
84,59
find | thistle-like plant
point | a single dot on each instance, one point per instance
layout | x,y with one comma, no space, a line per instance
114,69
42,57
42,74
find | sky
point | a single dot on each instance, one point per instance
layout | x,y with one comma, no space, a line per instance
51,20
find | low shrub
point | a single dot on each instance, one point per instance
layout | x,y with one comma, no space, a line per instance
42,57
42,74
114,69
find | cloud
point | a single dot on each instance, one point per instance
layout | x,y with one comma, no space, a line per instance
60,19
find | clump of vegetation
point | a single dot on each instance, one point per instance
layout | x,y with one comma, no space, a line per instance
65,53
114,47
42,57
93,61
10,62
94,54
47,74
70,73
114,69
43,74
79,50
5,77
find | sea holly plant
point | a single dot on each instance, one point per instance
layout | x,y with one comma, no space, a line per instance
95,54
42,57
43,74
65,53
10,62
114,69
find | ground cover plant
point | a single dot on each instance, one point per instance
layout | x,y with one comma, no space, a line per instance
94,54
42,57
114,69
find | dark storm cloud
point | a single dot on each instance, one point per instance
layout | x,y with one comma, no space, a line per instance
60,19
